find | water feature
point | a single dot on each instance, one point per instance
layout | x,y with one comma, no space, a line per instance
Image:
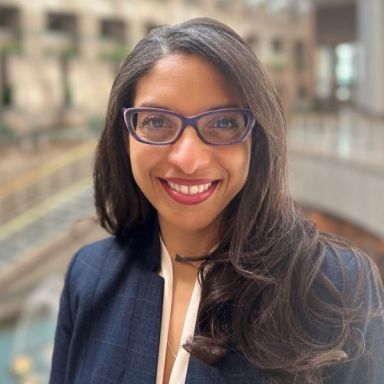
26,345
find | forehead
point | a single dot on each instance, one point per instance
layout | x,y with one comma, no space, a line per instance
186,83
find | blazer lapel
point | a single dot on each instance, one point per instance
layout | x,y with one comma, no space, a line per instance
143,342
144,336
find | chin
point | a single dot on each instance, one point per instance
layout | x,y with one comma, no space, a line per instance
193,223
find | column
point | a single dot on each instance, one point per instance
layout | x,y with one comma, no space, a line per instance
370,24
33,20
88,34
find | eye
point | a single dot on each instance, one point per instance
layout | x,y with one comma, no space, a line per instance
224,123
155,122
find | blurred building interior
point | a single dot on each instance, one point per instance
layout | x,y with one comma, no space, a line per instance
58,59
349,39
62,56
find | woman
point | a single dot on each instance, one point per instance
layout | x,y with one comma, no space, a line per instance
211,275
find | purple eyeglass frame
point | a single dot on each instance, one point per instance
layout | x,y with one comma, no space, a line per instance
186,121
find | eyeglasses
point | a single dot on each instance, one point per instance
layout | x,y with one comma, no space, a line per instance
161,126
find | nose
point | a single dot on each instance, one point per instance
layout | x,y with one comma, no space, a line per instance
189,153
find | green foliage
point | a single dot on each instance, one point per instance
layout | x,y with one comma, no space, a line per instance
69,52
7,96
12,48
277,63
117,54
6,132
68,96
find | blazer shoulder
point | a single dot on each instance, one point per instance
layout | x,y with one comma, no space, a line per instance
113,258
103,257
357,279
92,257
87,264
346,267
93,254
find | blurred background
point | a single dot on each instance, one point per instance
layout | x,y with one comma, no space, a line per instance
58,59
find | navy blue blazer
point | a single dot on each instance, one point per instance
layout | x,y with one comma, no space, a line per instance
110,313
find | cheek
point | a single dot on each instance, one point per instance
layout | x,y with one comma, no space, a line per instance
138,161
144,160
132,153
241,161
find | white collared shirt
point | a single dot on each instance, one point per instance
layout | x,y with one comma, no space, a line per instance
180,366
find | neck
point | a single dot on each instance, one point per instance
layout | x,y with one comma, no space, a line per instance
187,243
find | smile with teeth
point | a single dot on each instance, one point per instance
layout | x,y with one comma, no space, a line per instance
189,189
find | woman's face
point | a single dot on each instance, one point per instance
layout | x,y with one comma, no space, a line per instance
189,182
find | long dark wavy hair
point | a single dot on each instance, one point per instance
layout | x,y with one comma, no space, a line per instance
265,293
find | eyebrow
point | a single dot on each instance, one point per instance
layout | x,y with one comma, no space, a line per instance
213,108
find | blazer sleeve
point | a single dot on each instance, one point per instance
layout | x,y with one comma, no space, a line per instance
64,330
367,367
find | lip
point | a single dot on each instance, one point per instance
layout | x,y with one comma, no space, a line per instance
179,180
188,199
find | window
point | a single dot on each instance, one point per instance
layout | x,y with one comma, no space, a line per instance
253,42
10,34
10,21
113,43
113,29
63,36
62,22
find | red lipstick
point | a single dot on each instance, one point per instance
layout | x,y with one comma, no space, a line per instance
189,191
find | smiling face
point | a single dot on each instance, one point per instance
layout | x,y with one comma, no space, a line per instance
189,182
